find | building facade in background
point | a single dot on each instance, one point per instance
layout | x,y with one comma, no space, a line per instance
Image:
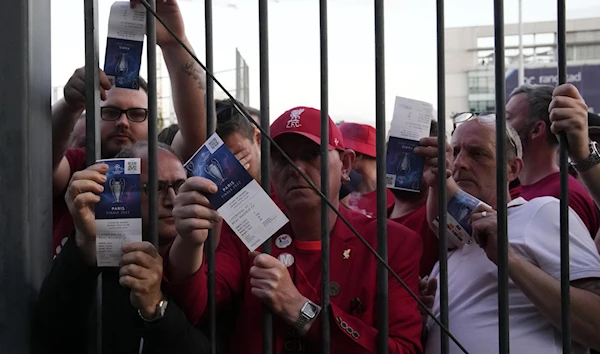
470,62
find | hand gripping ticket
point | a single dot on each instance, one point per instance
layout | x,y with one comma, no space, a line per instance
460,209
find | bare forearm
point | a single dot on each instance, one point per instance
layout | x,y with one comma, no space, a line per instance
63,120
185,260
544,292
188,85
591,180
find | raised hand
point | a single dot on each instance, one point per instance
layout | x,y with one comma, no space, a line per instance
74,90
141,271
81,197
192,211
569,114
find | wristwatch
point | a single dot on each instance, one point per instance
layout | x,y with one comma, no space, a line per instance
161,308
590,161
309,311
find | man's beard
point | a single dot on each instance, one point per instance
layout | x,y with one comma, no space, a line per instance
108,153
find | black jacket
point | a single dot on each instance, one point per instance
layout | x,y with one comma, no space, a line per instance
63,322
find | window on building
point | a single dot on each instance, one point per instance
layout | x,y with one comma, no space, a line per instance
480,81
583,52
482,106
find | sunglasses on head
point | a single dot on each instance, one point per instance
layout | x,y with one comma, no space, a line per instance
486,118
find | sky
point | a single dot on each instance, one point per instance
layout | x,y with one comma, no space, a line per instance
294,48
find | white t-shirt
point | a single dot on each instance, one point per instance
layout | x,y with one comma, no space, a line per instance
534,234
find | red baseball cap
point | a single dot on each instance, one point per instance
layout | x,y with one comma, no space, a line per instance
306,121
360,138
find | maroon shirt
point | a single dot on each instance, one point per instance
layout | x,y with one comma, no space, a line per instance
62,223
579,199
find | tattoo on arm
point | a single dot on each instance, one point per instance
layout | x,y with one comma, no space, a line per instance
589,284
191,68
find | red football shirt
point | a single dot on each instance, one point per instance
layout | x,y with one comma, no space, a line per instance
367,203
579,199
417,221
62,224
353,279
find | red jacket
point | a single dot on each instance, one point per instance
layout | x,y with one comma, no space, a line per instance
351,331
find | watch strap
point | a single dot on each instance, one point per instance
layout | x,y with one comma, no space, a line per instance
161,308
304,318
590,161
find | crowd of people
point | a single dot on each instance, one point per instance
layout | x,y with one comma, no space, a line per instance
156,301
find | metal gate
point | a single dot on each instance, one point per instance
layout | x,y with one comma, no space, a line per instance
25,171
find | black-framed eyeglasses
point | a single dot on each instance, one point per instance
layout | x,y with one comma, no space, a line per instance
112,114
163,188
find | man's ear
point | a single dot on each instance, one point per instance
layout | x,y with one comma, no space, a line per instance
537,129
257,137
514,168
347,156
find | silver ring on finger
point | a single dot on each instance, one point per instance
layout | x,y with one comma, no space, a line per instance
484,214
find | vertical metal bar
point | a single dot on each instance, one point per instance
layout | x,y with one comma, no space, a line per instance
92,140
325,247
382,275
501,198
92,83
564,189
442,192
25,168
263,29
210,128
521,63
152,127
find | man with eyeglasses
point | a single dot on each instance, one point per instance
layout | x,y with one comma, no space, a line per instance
124,114
134,305
533,254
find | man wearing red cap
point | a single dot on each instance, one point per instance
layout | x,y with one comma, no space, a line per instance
361,138
289,280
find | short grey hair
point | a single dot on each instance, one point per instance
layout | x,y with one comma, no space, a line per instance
539,98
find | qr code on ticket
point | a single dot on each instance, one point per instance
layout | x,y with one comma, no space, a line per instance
390,180
132,166
213,143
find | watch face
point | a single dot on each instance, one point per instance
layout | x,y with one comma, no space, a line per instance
309,310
